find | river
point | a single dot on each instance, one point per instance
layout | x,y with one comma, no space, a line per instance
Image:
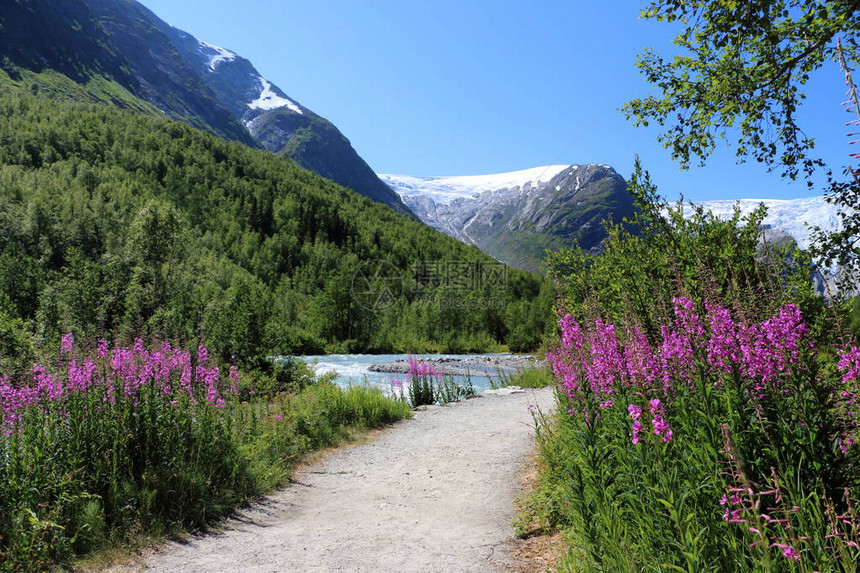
353,368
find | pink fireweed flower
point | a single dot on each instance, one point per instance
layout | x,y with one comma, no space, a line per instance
687,321
565,371
568,360
636,428
233,376
788,551
415,368
67,343
202,355
676,359
641,365
208,378
110,392
770,347
422,369
635,413
723,348
13,402
80,376
661,426
606,365
571,333
734,506
102,349
185,373
46,384
849,365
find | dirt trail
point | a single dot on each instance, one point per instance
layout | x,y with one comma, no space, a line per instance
435,493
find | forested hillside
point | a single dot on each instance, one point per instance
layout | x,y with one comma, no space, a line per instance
118,224
120,52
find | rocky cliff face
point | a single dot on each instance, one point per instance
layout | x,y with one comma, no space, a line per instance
190,80
516,216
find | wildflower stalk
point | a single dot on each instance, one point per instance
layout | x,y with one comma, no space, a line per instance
652,422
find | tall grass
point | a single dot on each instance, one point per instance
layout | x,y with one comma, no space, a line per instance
103,445
425,386
720,445
532,377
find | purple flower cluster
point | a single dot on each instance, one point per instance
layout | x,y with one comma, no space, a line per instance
636,414
421,369
767,349
849,365
658,421
594,365
123,373
661,426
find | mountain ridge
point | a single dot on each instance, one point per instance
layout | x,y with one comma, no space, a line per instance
516,216
187,79
451,203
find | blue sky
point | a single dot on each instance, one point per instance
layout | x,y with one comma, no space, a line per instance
469,87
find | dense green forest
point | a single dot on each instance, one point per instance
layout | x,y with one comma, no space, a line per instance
121,224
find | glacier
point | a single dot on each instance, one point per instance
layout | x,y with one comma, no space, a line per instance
795,217
445,189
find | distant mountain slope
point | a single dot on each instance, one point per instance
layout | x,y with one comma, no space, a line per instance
516,216
513,216
190,80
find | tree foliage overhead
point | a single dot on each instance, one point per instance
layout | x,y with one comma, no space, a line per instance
742,64
740,73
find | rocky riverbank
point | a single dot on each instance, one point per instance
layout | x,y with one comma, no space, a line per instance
474,366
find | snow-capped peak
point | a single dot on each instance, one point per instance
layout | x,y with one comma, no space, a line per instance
445,189
216,54
270,100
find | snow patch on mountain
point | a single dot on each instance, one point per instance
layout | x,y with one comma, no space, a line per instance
270,100
443,190
795,217
216,54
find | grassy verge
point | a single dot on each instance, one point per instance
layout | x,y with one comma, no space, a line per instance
547,509
110,446
538,377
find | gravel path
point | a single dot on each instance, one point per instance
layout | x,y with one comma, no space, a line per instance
435,493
